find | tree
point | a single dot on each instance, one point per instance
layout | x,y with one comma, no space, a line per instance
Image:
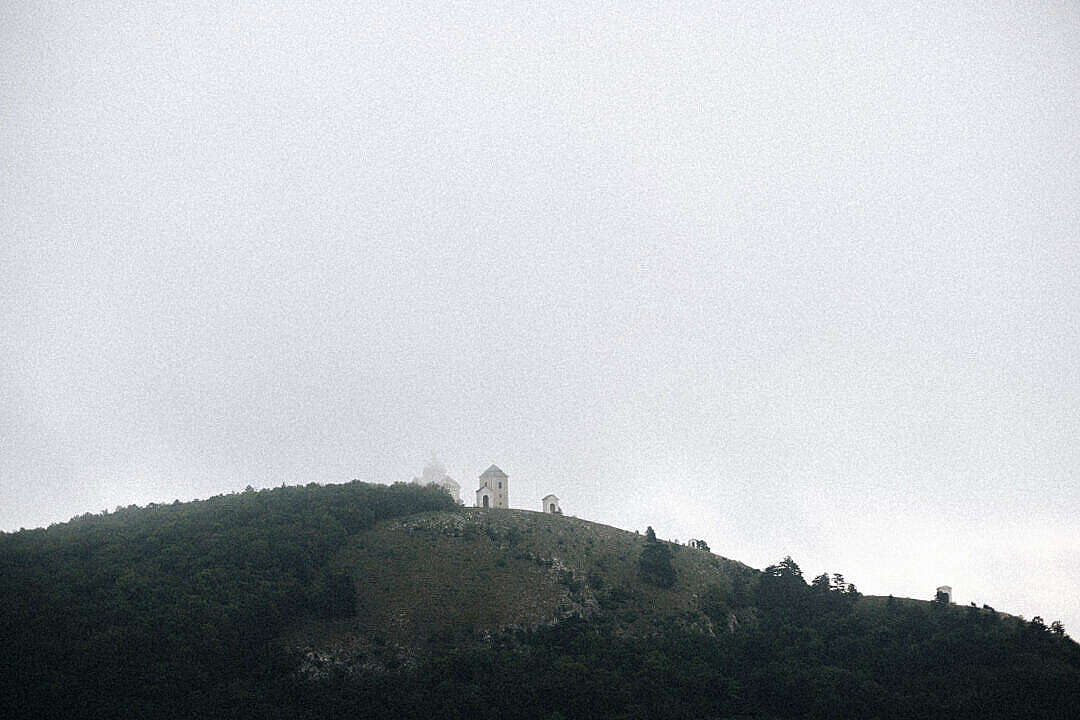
654,564
789,568
782,592
1057,628
821,583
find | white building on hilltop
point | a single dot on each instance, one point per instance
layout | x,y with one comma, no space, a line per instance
494,490
550,505
435,474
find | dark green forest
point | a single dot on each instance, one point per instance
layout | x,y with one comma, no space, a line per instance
171,610
178,610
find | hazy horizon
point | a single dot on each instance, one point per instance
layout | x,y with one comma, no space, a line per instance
794,280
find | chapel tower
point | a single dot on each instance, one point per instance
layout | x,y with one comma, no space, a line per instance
494,490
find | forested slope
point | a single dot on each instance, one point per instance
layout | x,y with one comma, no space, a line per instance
375,602
171,608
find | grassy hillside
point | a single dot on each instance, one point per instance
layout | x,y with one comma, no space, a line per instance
457,576
485,569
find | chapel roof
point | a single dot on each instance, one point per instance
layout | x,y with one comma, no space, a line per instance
494,471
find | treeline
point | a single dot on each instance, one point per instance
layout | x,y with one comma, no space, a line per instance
170,610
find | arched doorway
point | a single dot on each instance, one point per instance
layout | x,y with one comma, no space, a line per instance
552,506
485,501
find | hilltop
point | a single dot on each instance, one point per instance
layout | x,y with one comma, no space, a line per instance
360,600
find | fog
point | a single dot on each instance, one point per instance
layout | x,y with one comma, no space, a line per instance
793,280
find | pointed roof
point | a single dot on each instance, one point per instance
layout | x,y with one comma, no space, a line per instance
494,471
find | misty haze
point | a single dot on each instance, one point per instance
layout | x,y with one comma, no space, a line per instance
571,360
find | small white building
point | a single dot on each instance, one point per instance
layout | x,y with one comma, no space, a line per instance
946,591
550,505
494,490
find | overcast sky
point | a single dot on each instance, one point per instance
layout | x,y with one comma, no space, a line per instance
794,278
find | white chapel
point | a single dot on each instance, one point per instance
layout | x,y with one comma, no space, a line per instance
494,490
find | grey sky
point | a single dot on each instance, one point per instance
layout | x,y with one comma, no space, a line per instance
795,280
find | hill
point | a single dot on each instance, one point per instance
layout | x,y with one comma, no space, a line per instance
369,601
